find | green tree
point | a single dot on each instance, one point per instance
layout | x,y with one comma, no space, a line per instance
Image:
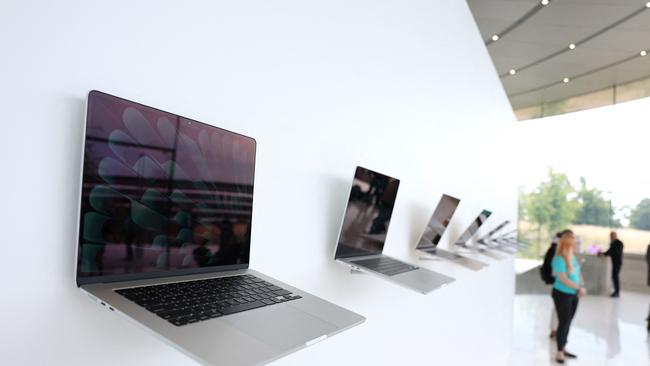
593,208
640,215
550,205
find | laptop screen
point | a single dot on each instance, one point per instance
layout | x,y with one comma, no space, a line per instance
161,193
438,222
367,215
473,227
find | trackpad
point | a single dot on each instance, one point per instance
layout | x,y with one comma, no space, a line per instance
281,326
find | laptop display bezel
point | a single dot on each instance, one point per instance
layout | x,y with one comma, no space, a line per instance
431,245
338,243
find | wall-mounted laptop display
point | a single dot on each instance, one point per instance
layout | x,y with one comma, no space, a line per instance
508,242
485,240
508,245
513,241
363,234
472,229
506,238
164,238
435,229
499,243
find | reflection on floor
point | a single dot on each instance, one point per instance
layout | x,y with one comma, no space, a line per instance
605,331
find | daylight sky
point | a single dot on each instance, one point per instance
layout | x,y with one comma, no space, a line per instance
609,146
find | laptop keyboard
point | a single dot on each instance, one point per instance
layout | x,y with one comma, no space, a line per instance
385,265
189,302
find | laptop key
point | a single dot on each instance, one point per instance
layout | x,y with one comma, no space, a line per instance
242,307
179,321
174,313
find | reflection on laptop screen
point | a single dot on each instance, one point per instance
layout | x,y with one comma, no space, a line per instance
366,218
473,227
161,192
439,222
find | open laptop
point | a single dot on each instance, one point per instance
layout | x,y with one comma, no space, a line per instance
508,245
471,230
165,237
490,241
428,243
363,234
487,238
510,242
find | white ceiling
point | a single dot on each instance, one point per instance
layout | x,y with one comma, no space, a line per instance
553,28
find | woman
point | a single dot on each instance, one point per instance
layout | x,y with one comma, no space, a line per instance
567,289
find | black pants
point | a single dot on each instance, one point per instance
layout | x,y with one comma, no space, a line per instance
616,269
565,306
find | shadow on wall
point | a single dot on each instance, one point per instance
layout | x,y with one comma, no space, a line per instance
338,199
453,234
75,111
419,220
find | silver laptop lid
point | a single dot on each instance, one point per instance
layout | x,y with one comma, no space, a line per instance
473,227
494,231
161,194
367,214
438,222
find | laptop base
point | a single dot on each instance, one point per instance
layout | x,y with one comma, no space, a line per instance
466,262
253,337
421,280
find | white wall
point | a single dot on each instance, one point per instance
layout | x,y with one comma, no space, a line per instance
402,87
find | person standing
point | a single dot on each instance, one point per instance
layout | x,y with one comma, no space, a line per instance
546,273
567,290
615,252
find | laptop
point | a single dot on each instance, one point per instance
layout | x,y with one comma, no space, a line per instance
472,229
486,239
508,245
470,232
165,239
363,234
510,241
428,243
492,242
505,246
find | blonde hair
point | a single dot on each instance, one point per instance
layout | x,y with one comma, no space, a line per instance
565,249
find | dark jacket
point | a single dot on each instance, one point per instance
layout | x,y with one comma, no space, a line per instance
647,259
615,251
545,270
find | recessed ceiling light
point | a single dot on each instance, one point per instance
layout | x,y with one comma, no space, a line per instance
512,71
544,2
565,80
643,53
572,46
647,5
495,37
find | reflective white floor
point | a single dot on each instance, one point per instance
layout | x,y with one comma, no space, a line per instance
605,331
